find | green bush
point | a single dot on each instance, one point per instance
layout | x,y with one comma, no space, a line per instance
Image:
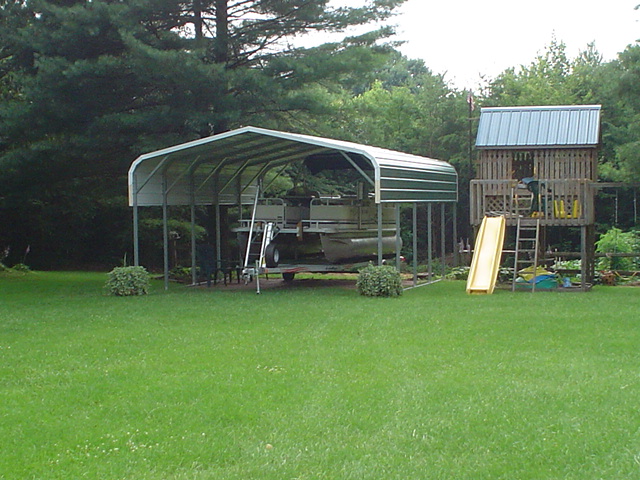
379,281
458,273
126,281
617,241
21,267
181,274
4,253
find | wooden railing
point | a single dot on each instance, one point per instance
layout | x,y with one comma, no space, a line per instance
555,202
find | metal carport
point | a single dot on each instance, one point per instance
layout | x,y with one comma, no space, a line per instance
224,170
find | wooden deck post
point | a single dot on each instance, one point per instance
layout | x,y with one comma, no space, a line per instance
587,254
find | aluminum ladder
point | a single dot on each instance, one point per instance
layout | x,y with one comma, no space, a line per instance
260,253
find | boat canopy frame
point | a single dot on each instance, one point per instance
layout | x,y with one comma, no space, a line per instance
225,169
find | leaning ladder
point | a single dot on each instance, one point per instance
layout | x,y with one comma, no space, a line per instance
247,271
527,248
258,235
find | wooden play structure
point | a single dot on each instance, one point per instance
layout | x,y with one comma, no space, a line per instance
537,167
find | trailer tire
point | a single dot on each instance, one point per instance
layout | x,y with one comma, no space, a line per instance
272,255
288,276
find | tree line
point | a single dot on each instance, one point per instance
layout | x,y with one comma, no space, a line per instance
87,86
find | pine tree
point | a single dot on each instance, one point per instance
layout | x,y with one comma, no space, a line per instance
86,86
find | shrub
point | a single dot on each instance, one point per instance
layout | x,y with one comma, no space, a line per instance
181,274
458,273
617,241
21,267
126,281
505,274
3,256
379,281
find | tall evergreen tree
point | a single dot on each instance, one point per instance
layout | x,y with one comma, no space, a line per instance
87,85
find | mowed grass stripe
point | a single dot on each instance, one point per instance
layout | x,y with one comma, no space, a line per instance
316,383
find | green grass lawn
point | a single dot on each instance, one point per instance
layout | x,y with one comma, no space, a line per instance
316,383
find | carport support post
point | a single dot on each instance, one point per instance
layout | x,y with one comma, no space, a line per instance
192,201
165,230
240,247
456,254
442,239
136,240
429,240
218,237
415,244
216,194
398,239
380,233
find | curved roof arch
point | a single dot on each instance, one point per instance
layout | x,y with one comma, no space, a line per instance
224,168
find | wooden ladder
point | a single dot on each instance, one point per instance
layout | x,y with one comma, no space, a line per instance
527,248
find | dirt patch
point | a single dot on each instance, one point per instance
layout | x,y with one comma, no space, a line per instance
279,283
347,281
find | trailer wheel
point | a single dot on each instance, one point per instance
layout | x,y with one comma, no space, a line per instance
288,276
272,255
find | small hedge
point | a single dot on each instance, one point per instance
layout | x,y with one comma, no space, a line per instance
127,281
379,281
17,269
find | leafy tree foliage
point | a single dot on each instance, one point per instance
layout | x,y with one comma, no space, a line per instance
625,125
403,106
546,81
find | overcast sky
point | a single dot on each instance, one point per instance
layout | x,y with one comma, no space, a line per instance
466,38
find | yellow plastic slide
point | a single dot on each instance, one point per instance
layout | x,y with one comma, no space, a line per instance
486,256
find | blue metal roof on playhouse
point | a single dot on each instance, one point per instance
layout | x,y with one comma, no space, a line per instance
568,126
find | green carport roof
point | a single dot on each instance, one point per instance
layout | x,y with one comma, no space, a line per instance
225,168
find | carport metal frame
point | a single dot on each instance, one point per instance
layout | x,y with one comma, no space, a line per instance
230,165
